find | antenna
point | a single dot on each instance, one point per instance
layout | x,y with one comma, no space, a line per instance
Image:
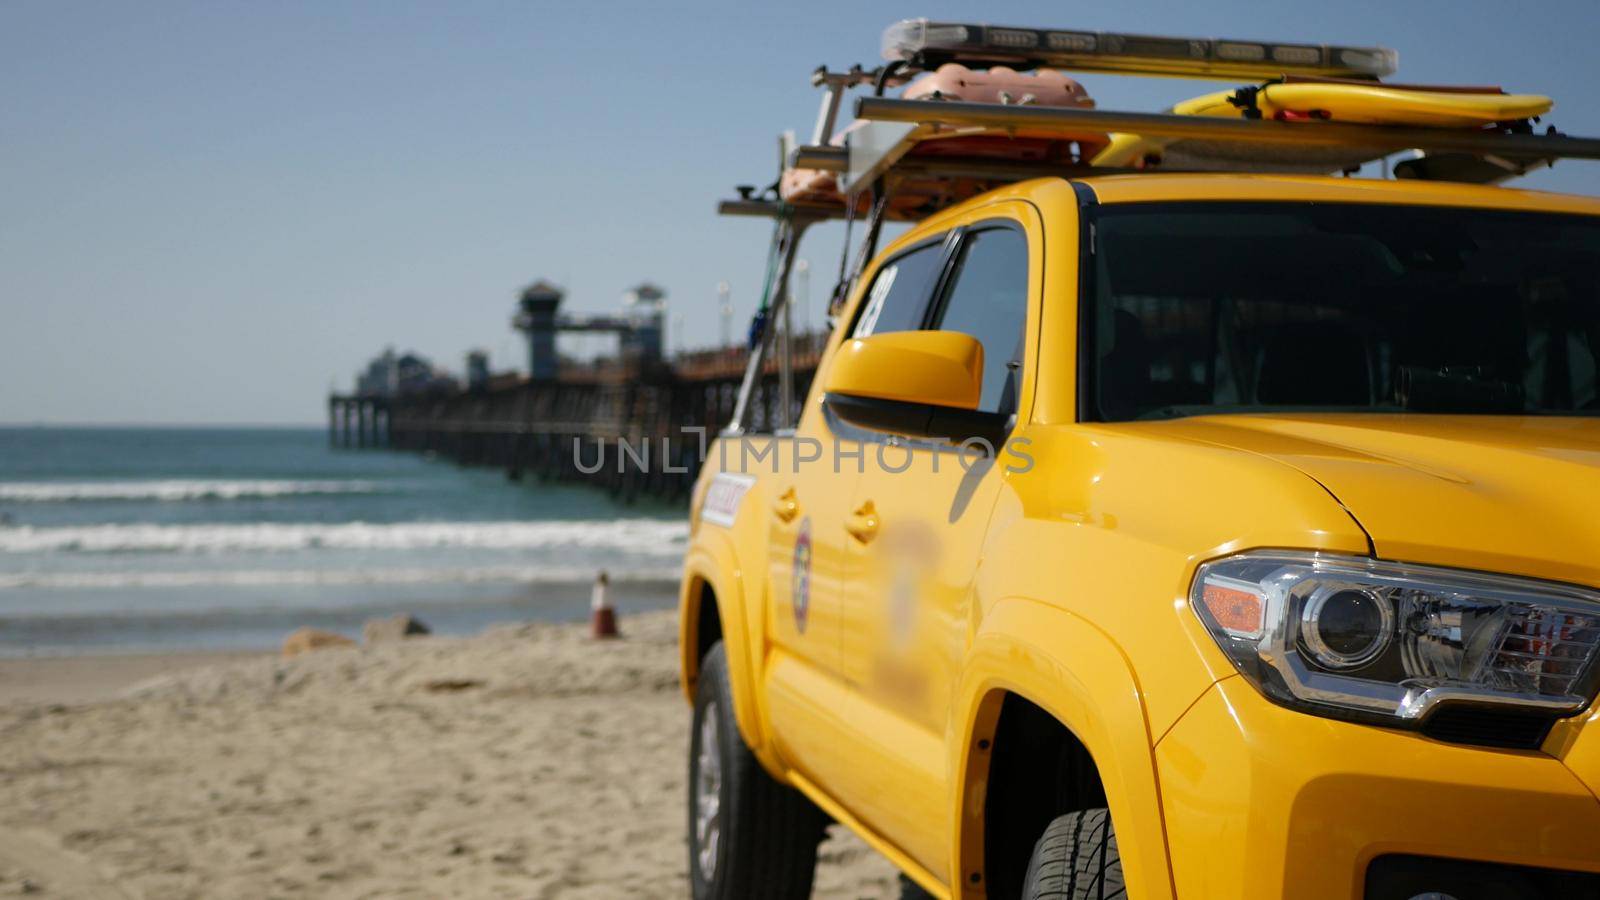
802,274
725,307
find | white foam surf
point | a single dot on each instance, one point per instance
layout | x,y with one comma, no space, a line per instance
641,536
324,578
174,490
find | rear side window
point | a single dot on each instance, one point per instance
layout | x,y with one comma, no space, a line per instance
989,300
898,299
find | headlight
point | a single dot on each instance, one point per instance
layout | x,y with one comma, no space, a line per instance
1358,638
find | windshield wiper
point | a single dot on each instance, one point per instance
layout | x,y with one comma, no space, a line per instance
1456,390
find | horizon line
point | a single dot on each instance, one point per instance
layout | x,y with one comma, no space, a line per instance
18,425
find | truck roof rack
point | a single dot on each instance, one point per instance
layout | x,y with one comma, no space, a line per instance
973,120
890,133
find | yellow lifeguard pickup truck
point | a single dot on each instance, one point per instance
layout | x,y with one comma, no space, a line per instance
1211,530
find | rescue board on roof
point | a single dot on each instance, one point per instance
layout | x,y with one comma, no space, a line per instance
1312,101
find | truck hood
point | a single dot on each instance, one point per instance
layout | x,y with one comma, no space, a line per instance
1518,495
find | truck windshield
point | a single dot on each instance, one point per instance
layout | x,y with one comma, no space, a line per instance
1253,307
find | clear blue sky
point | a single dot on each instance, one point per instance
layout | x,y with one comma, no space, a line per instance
210,210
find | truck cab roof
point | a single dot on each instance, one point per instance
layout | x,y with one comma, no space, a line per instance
1153,188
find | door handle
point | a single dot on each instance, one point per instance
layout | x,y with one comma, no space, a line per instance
863,523
786,506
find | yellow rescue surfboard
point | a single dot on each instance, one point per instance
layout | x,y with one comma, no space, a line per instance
1365,104
1376,104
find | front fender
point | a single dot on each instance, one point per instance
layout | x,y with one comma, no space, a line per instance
1074,671
711,561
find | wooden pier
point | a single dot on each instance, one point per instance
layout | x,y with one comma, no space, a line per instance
355,421
633,431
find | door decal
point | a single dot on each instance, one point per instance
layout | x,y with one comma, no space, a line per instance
723,497
800,576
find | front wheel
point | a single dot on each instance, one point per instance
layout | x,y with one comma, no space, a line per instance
749,836
1076,859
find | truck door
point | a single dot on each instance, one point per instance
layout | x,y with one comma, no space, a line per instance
809,561
907,611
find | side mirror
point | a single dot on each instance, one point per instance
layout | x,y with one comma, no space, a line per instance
923,384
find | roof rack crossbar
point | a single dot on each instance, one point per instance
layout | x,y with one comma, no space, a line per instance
772,209
1041,118
834,84
825,158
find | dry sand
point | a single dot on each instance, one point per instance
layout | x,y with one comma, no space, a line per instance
80,679
527,762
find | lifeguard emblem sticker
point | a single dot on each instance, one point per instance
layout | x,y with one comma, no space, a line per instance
800,577
723,498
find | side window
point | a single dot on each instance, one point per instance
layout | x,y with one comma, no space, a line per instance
898,299
989,300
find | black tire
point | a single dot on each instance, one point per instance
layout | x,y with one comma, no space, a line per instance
766,833
1076,859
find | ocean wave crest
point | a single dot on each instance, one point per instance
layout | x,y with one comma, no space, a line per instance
643,536
174,490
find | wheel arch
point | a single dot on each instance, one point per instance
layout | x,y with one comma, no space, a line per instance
1029,655
699,627
711,595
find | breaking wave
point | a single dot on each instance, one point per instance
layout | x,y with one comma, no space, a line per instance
332,577
641,536
174,490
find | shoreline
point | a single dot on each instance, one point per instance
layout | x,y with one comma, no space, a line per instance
261,627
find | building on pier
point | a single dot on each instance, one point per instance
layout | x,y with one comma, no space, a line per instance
640,327
392,375
478,371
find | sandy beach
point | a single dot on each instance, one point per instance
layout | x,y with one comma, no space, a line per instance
526,762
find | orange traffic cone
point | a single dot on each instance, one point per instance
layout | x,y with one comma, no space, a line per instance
602,618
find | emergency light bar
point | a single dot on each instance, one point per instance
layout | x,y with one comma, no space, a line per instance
928,43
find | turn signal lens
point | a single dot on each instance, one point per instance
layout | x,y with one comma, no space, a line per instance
1238,612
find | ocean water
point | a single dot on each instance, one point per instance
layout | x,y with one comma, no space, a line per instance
118,539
